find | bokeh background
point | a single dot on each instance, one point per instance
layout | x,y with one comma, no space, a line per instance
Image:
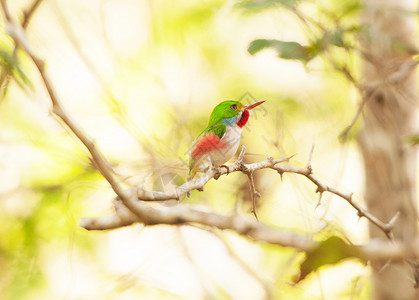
141,78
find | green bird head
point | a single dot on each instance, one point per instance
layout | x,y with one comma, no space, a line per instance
228,113
225,110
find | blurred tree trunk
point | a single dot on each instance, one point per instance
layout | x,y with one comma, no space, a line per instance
389,40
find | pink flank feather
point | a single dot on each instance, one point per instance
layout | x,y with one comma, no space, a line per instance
207,143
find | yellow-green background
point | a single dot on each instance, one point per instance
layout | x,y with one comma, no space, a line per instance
141,78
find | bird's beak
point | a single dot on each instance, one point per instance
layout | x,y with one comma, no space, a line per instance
251,106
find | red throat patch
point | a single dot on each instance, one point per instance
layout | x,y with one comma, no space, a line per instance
244,118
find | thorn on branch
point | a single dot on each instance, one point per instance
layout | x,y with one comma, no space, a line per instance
281,173
393,220
40,63
389,233
253,211
310,156
277,161
253,193
243,168
319,202
241,155
144,182
343,136
387,228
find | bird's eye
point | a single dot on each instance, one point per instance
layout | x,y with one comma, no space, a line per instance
233,107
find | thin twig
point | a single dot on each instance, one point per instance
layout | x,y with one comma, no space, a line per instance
253,193
310,157
29,12
27,15
343,136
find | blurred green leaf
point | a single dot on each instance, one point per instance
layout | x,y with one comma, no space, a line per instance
10,64
285,50
328,252
413,140
336,38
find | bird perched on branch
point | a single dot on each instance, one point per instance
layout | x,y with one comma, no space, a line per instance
219,141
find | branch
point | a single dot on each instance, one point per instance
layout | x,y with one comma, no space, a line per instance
270,163
199,183
196,216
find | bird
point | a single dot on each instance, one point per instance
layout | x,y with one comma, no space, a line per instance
219,141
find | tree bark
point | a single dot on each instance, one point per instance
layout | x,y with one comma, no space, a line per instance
389,39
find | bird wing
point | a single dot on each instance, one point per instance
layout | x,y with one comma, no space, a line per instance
218,129
210,139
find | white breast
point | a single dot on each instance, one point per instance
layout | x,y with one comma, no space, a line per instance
231,138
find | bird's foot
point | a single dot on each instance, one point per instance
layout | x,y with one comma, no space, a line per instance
224,166
218,173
